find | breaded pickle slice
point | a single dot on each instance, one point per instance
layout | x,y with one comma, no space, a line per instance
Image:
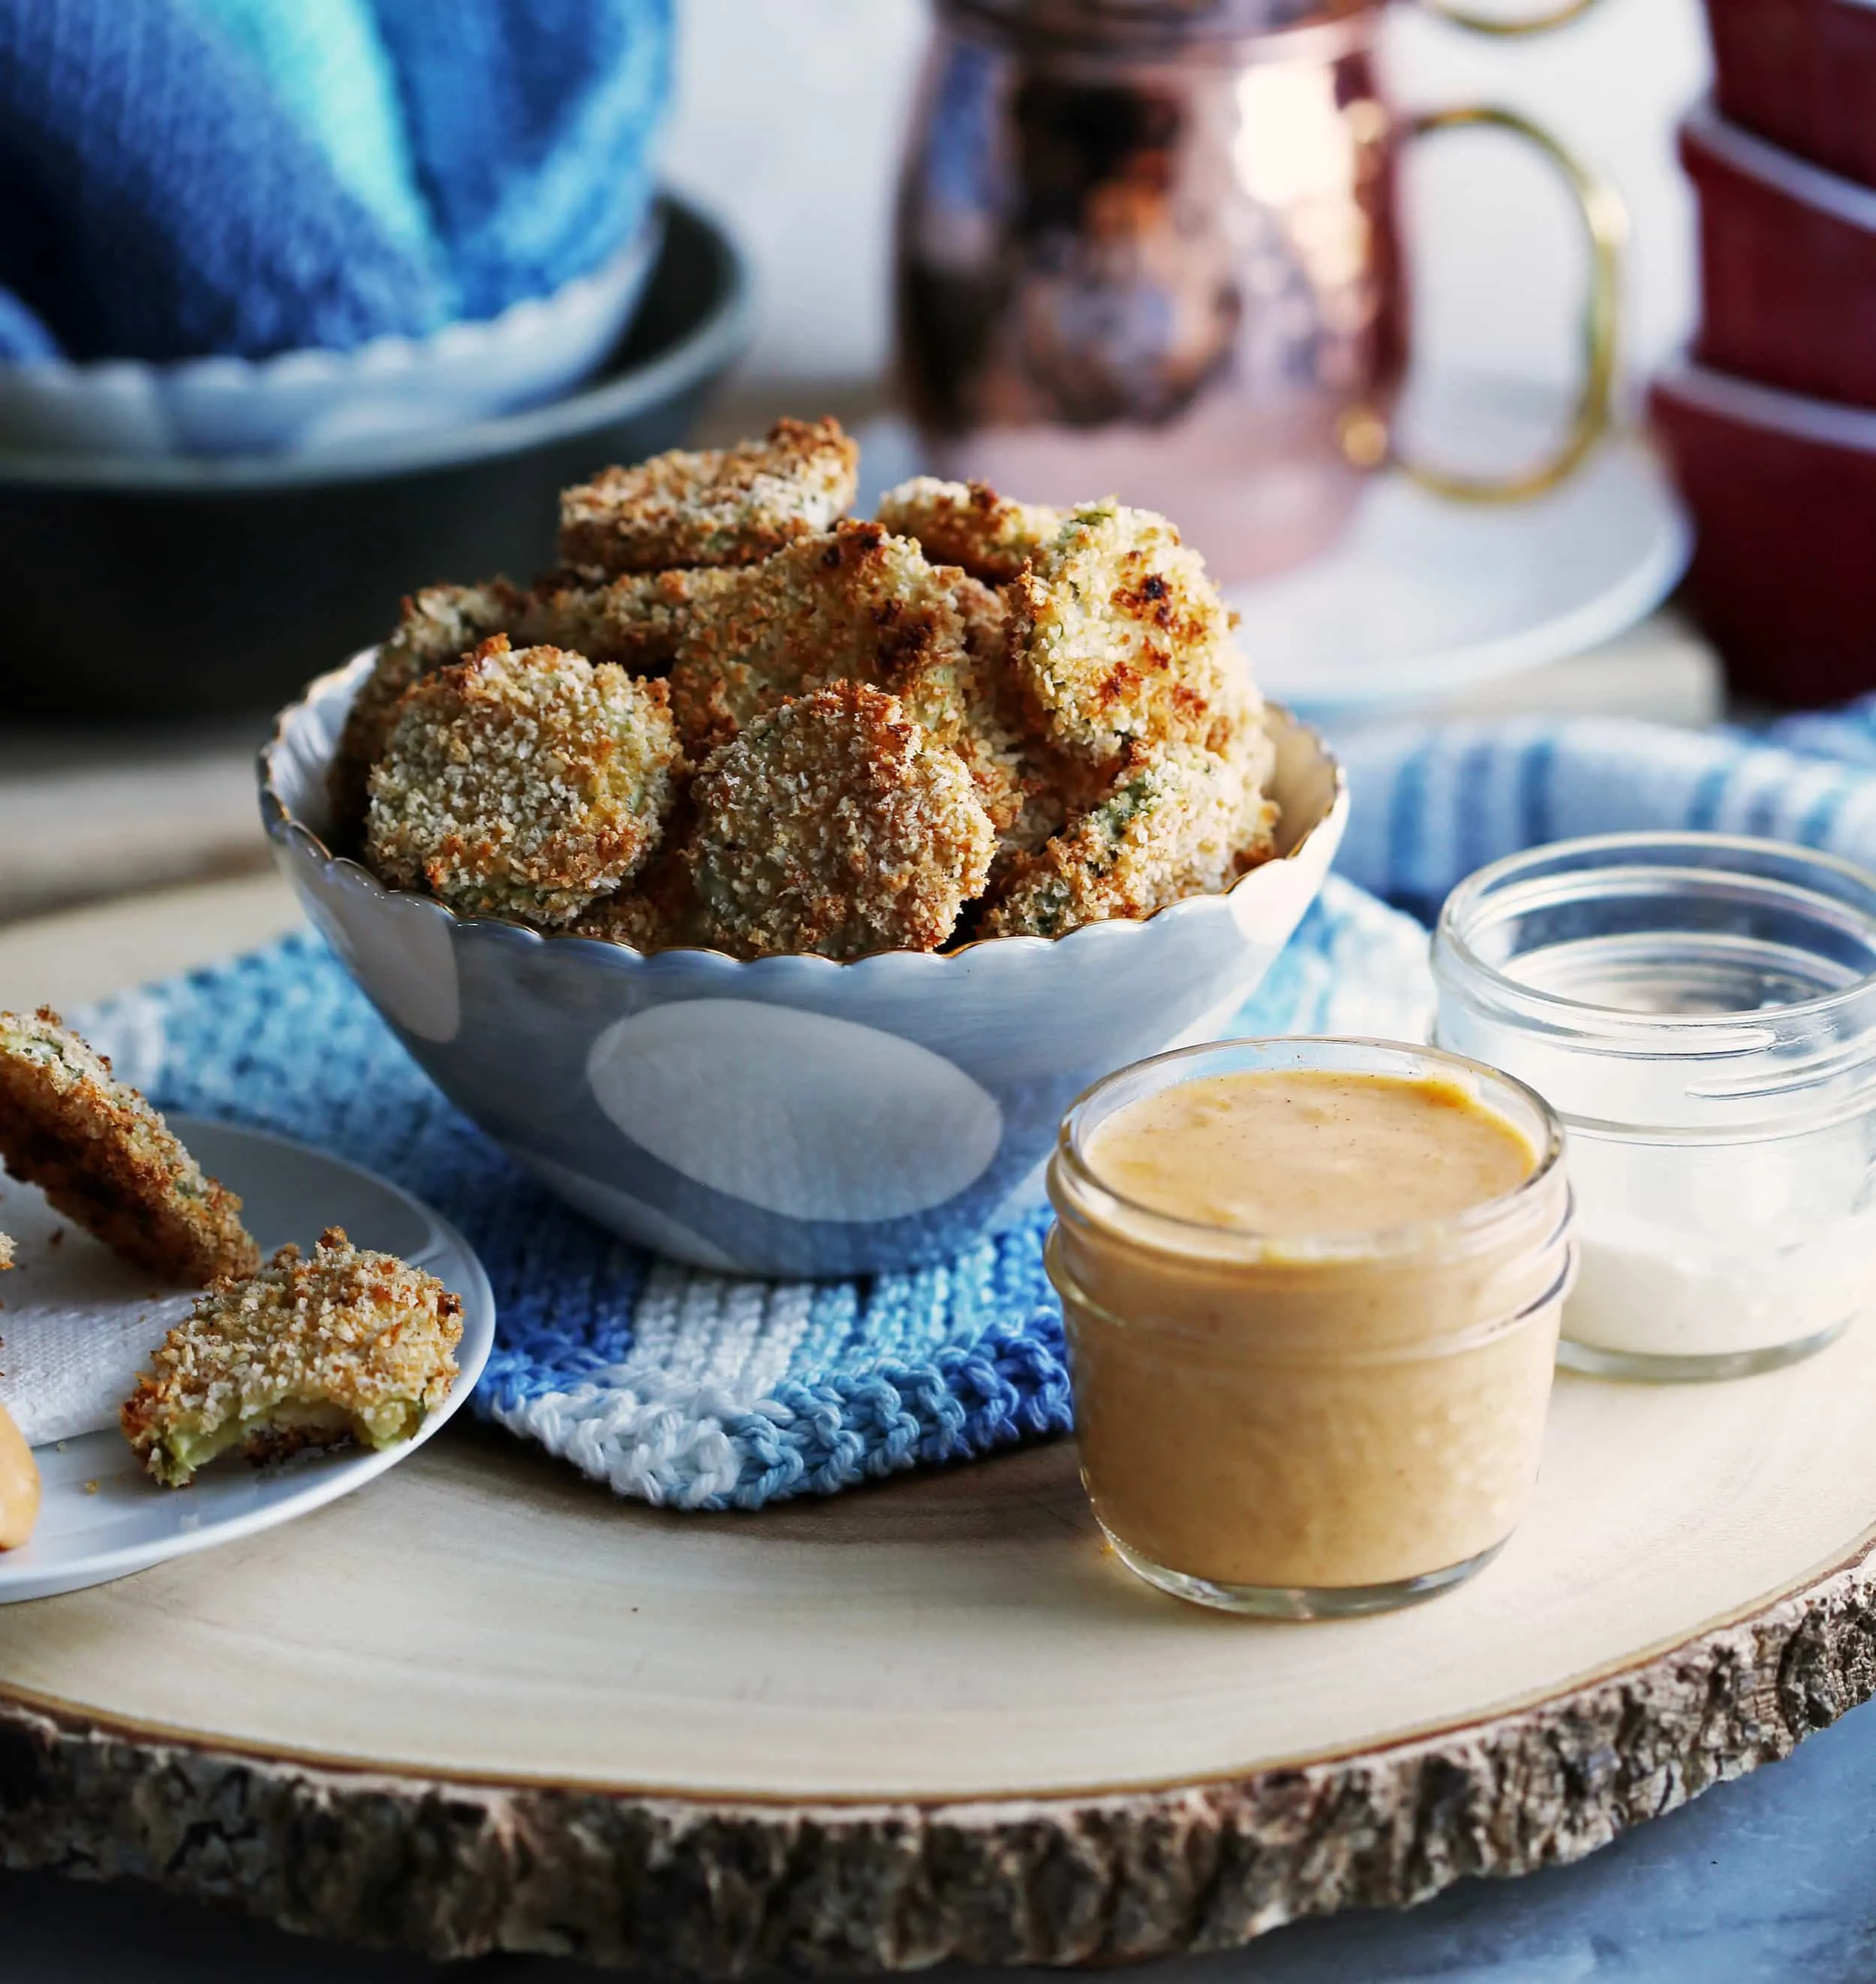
1169,826
633,621
968,524
836,824
714,507
853,603
106,1159
1120,637
349,1345
523,783
438,626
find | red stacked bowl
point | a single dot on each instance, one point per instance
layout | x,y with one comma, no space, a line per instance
1772,423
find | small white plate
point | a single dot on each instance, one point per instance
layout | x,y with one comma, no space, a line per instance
1426,596
103,1517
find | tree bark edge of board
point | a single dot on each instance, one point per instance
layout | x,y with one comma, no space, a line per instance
727,1887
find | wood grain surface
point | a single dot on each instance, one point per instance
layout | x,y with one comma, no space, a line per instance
484,1705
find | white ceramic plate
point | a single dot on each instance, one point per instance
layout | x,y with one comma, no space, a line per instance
103,1517
1426,596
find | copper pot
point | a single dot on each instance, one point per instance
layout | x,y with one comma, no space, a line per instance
1152,247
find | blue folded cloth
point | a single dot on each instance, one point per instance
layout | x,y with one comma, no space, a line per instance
182,177
1432,803
705,1391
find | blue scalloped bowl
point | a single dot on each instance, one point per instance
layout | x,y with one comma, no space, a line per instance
793,1115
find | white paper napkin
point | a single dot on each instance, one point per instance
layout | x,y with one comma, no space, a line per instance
76,1323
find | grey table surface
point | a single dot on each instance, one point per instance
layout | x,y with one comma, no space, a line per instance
1770,1879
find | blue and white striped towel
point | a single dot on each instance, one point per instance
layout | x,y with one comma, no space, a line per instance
701,1391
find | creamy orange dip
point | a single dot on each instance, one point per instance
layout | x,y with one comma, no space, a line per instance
1304,1357
20,1486
1294,1154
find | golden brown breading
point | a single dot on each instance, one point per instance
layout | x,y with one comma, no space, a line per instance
968,524
721,507
350,1345
523,783
1167,826
634,622
1120,637
438,626
853,605
1026,784
836,824
1253,758
856,605
6,1250
106,1159
657,911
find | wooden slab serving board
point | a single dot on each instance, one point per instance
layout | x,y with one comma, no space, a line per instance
484,1704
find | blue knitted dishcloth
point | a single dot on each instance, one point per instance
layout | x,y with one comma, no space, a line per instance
182,177
683,1387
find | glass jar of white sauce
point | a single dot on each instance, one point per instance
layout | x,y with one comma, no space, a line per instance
1700,1010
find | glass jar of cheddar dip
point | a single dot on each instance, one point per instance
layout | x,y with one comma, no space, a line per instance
1700,1010
1312,1290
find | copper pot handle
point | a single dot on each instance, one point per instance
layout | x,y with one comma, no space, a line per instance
1364,434
1559,16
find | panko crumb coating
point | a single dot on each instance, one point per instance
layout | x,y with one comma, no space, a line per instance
853,603
1120,637
836,824
107,1160
1023,781
633,621
523,783
350,1345
438,626
657,911
719,507
1168,826
968,524
1253,759
636,620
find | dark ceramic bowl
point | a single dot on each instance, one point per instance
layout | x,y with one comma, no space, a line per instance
135,588
1788,265
1782,491
1802,73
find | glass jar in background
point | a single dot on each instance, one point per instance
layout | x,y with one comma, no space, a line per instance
1310,1425
1151,248
1701,1011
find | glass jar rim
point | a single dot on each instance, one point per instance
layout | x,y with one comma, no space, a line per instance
1450,941
1446,1232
